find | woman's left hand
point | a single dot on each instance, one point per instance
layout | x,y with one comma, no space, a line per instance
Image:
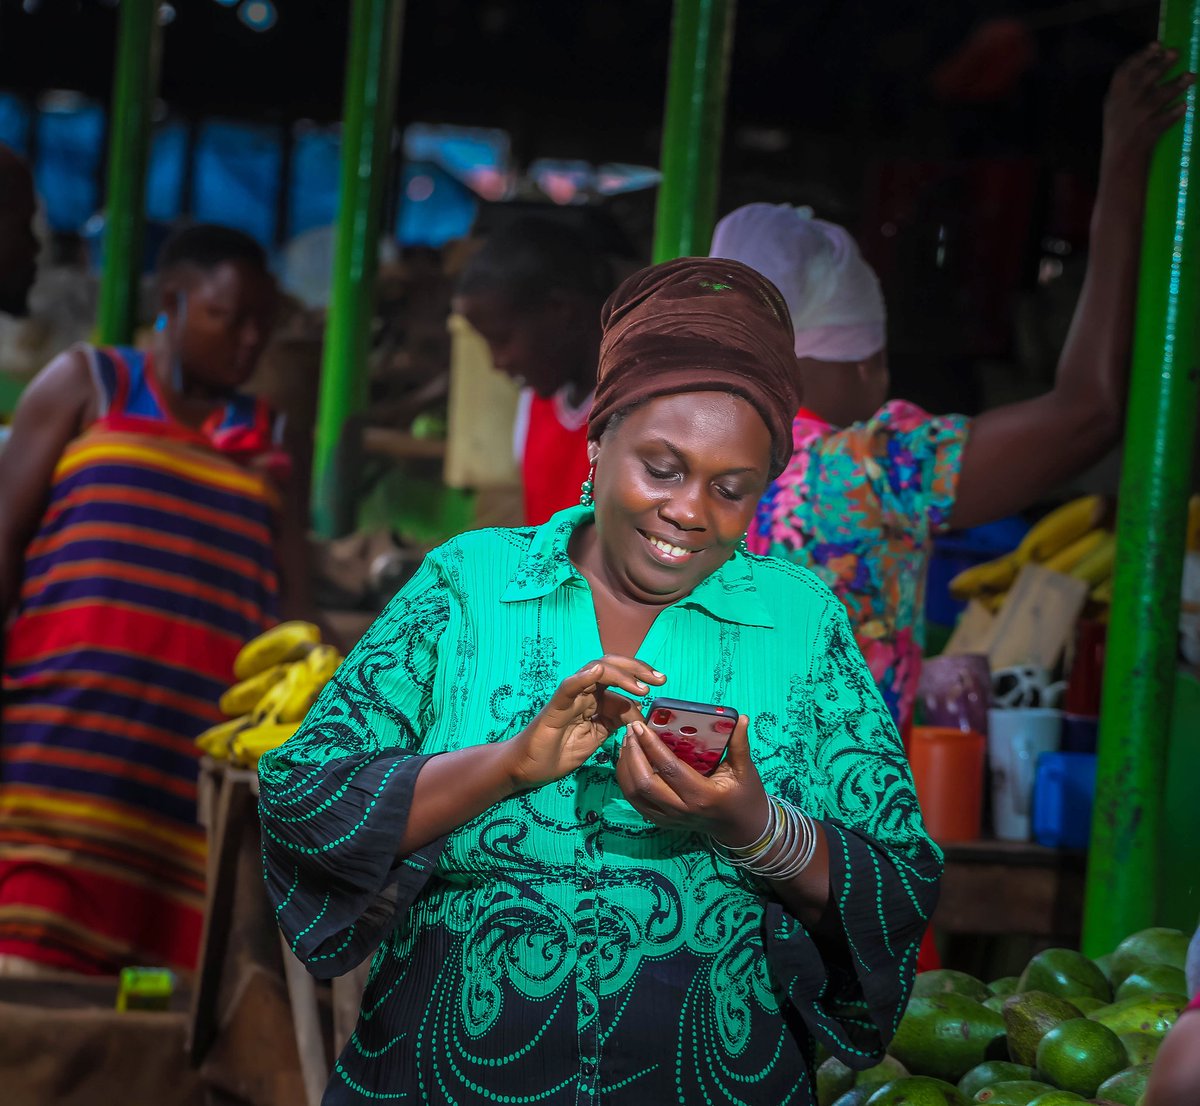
730,805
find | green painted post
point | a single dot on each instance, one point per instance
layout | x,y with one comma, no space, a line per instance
701,40
370,94
1125,855
135,84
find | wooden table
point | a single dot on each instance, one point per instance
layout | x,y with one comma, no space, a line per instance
1002,901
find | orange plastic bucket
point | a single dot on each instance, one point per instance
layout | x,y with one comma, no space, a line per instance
947,767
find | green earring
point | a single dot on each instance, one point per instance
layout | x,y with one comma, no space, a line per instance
586,488
743,547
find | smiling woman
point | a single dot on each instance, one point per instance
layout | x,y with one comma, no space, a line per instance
559,907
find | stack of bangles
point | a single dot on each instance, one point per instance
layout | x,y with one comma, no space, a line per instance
783,850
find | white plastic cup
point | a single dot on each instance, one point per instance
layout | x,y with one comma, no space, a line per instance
1016,738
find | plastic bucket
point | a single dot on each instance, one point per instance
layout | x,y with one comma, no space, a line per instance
947,768
1062,800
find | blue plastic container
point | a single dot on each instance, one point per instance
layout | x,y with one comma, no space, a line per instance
962,549
1063,790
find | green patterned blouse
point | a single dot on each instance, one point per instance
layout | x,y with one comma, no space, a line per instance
559,948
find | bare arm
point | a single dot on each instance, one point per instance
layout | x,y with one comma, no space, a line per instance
53,409
1017,453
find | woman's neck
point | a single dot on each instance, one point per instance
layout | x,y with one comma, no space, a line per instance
189,401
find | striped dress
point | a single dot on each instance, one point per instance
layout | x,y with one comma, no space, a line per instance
153,564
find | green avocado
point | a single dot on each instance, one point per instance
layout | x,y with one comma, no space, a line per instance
942,981
1126,1087
1066,973
1079,1055
1086,1005
1005,985
1028,1018
1016,1092
856,1096
1153,1014
917,1090
989,1072
1104,963
1154,979
1148,946
834,1079
1057,1098
1141,1048
946,1035
885,1071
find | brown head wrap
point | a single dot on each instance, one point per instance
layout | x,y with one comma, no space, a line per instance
699,324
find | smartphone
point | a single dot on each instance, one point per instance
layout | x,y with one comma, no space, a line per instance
695,732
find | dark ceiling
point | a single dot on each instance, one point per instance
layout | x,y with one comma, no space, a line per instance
586,77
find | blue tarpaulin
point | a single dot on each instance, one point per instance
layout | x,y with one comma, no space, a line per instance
237,176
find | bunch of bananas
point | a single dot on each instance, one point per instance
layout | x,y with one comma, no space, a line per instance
280,675
1068,540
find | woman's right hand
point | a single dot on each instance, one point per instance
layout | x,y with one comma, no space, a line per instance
579,718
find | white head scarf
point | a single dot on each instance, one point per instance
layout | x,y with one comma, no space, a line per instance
832,293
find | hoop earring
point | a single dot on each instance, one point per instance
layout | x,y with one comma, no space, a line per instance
587,487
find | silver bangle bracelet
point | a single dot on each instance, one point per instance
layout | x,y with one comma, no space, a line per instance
790,839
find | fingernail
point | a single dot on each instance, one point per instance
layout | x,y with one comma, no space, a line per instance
640,686
658,674
595,670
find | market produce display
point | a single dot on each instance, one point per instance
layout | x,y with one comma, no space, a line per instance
280,674
1069,540
1067,1030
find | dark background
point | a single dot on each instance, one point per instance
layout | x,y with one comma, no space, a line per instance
957,138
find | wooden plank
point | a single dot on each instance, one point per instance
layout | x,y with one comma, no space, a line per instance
396,445
1038,618
1001,888
974,632
232,809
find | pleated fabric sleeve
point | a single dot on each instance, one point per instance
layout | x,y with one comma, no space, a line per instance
851,990
335,798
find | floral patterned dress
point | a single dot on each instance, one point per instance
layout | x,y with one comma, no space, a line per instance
558,948
860,506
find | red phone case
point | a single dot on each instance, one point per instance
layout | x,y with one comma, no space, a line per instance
695,732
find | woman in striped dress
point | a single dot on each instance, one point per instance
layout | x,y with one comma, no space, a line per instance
139,524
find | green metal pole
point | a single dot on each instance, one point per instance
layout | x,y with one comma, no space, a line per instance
701,39
1124,857
135,84
370,94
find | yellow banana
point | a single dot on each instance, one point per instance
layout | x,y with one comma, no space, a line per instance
216,740
1193,524
1060,528
289,641
302,691
270,706
323,662
251,743
1097,566
1103,591
994,601
243,697
991,576
1065,560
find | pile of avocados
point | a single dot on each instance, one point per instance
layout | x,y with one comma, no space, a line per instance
1068,1030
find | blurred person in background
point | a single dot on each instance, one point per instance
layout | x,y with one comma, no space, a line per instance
146,533
871,482
534,291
